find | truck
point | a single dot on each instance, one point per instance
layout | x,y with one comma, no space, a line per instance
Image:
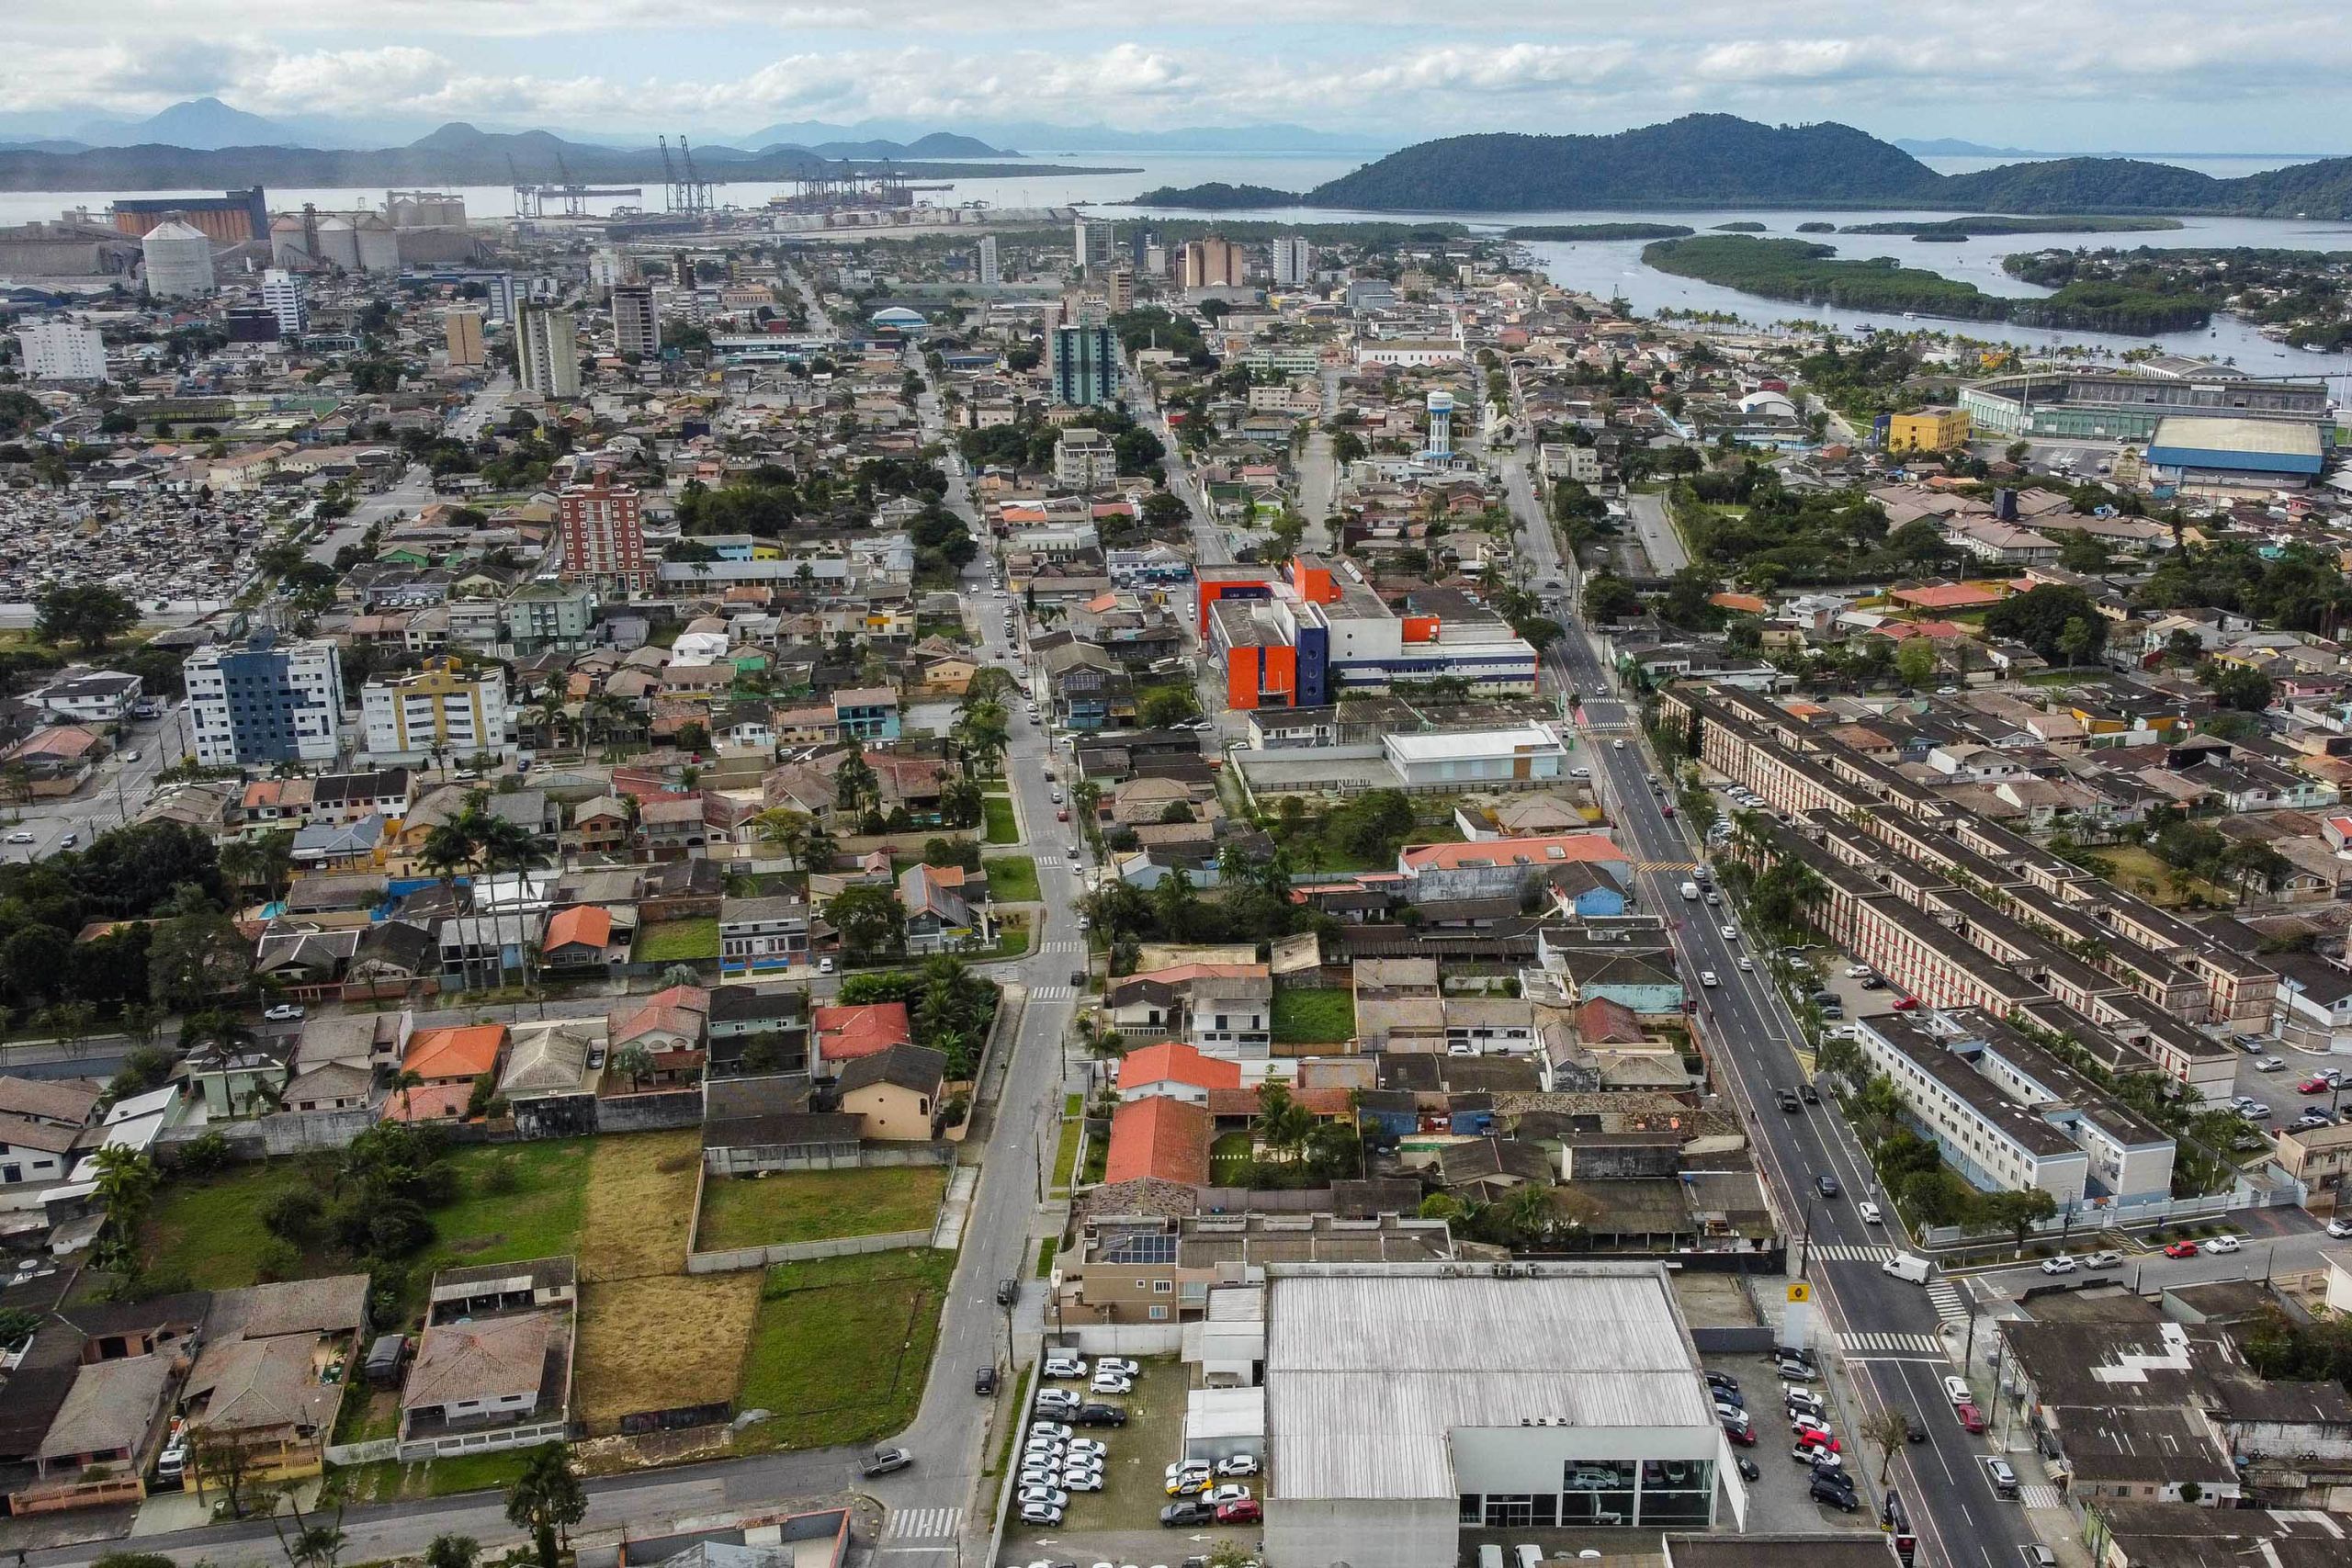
1690,891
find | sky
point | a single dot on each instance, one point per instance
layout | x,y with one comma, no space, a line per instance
2063,75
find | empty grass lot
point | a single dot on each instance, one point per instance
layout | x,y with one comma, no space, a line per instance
662,1342
1314,1015
1229,1160
1012,879
638,1215
514,1201
841,1346
816,1205
997,812
677,941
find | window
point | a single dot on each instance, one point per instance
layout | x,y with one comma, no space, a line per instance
1162,1287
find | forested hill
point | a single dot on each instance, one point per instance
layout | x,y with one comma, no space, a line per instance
1700,159
1714,160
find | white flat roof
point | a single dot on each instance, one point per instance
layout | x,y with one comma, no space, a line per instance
2283,437
1438,748
1369,1371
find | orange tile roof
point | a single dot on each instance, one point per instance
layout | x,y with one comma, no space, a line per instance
1946,595
446,1056
581,925
1327,1103
1173,1061
843,1033
1161,1137
1551,848
430,1102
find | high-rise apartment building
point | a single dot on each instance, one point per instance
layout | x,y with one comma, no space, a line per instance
461,330
443,710
602,535
1212,263
281,296
547,352
263,701
991,270
1085,365
636,326
1294,260
1091,242
1120,291
608,270
62,351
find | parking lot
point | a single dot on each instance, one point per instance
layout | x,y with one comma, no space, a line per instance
1119,1524
1780,1499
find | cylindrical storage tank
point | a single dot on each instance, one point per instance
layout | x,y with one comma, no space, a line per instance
378,247
339,243
287,247
179,260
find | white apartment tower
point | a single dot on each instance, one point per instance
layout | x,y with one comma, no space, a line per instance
443,710
1294,260
281,296
62,351
262,702
991,271
547,352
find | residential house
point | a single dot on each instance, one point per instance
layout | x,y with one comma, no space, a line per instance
1175,1069
493,1369
940,916
761,935
846,1033
446,1061
894,1092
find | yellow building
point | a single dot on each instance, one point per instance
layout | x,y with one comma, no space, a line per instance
461,327
442,710
1926,429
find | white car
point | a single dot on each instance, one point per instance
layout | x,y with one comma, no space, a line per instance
20,838
824,966
1869,1210
1232,1492
1040,1514
1046,1496
2223,1244
2340,1227
1120,1365
2269,1064
1745,964
1082,1480
1618,744
1065,1367
1707,977
2062,1264
282,1012
1237,1464
1054,1430
1088,1448
1579,772
1110,1383
1731,933
1187,1467
131,755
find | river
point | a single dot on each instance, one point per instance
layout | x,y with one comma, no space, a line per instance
1606,268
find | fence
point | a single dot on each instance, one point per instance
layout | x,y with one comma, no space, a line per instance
744,1258
57,1498
2096,1220
1123,1338
752,1158
363,1453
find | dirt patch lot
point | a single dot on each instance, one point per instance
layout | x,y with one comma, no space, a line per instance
638,1215
661,1342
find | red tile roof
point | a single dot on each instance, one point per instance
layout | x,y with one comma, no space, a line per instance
1551,848
583,925
1173,1061
1160,1137
846,1032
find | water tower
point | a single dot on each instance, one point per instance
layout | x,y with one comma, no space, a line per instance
1441,424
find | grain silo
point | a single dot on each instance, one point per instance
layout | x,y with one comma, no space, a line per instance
379,246
179,260
338,241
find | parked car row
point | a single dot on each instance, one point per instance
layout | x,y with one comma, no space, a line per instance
1055,1462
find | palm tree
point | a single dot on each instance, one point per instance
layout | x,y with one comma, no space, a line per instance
408,1081
241,863
798,837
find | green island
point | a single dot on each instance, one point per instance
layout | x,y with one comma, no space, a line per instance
1597,231
1740,226
1216,196
1812,274
1817,227
2307,293
1985,223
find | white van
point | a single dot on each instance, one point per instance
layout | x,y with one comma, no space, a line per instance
1490,1557
1905,1266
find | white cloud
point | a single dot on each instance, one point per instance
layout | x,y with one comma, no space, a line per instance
1387,65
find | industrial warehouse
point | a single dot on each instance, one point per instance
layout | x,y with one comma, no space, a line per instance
1409,1406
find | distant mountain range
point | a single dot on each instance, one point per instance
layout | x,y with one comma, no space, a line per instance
459,153
1713,160
1952,147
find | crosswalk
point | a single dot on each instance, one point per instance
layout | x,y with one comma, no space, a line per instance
1838,1252
923,1524
1949,1304
1050,862
1051,993
1067,944
1892,1345
2039,1495
1665,866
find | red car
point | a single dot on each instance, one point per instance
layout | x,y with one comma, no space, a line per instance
1243,1511
1819,1441
1063,815
1744,1436
2181,1249
1971,1418
2313,1086
1904,1004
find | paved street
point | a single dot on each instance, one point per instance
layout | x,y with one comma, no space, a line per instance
1660,542
1753,1039
117,792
